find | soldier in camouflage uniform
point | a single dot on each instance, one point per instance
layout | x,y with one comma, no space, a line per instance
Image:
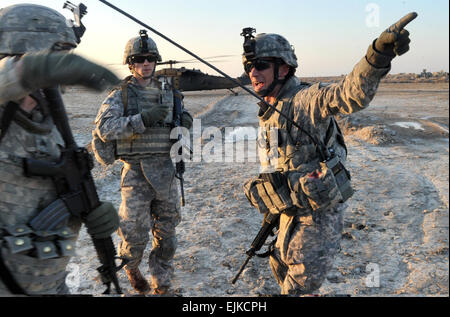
36,260
138,118
310,203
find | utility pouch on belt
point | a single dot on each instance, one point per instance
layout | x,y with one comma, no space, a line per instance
46,236
342,176
104,152
269,193
322,188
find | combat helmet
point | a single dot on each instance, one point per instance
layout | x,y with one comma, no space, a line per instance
141,44
30,27
269,45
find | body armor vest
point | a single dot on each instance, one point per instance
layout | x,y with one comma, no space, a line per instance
283,147
297,172
22,198
155,140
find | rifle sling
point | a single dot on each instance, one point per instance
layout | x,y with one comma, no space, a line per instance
269,250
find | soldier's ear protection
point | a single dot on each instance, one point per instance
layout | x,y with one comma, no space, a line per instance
249,42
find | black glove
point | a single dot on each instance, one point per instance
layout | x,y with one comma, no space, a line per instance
47,69
155,114
186,120
392,42
102,221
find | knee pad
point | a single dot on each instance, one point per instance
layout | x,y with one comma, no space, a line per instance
166,248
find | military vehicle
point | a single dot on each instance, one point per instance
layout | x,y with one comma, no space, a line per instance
186,79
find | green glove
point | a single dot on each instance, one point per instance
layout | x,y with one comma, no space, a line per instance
392,42
155,114
102,221
186,120
45,69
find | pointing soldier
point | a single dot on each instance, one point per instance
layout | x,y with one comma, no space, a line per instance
303,179
34,41
138,117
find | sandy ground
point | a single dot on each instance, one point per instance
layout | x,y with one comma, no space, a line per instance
395,240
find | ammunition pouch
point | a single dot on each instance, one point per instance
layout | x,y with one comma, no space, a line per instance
22,239
104,152
269,193
323,188
45,237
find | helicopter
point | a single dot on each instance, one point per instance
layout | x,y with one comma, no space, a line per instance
186,79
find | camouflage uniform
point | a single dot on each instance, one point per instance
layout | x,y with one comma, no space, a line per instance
28,136
34,41
307,239
150,199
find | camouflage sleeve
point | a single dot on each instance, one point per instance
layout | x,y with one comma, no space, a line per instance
111,124
10,87
352,94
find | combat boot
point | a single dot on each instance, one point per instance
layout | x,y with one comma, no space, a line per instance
137,281
161,291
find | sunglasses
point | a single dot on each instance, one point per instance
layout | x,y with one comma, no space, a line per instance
141,59
258,64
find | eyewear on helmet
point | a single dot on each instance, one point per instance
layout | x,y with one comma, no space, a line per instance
142,58
259,64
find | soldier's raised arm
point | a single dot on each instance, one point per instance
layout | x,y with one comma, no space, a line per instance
358,88
20,76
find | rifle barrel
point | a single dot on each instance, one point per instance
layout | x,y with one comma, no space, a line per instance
241,269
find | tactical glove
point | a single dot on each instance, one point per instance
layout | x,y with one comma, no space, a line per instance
155,114
45,69
392,42
186,120
102,221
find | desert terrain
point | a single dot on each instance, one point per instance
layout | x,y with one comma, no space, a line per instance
395,240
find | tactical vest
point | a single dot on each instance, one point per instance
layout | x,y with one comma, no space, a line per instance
283,147
22,198
155,140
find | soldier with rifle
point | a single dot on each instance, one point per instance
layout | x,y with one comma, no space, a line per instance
304,185
137,118
46,188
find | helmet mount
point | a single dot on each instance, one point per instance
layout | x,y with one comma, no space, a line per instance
143,42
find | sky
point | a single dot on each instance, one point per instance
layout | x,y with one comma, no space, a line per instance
329,37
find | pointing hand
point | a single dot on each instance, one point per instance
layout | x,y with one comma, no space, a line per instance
395,40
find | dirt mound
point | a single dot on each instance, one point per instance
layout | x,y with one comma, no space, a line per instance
373,134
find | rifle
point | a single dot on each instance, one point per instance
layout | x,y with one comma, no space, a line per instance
270,222
180,166
75,185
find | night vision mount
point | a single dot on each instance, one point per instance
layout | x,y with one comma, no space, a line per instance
78,12
143,44
249,42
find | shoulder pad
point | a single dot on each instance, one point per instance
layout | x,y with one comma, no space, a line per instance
122,84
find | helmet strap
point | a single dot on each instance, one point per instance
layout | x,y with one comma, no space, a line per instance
135,74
